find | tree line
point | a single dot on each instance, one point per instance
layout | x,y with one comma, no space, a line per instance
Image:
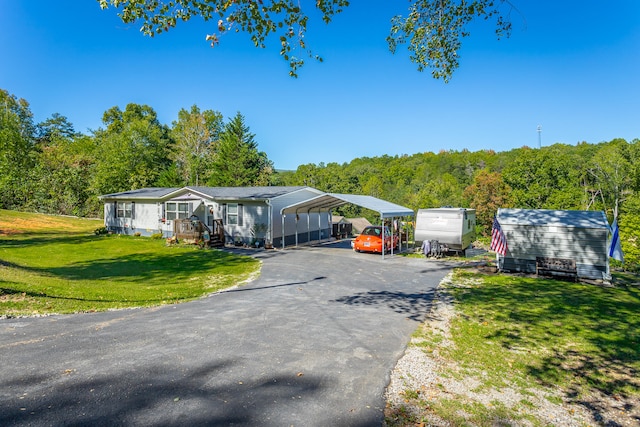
603,176
49,167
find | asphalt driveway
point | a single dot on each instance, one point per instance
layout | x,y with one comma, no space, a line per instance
311,342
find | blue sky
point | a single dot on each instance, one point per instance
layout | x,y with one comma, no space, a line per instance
572,67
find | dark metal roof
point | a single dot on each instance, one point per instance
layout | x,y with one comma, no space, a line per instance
557,218
142,193
227,193
246,192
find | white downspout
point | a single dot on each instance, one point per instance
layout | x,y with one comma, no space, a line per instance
269,223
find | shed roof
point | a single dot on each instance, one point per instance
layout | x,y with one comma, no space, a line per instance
558,218
359,224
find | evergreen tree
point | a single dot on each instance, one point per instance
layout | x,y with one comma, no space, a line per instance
237,161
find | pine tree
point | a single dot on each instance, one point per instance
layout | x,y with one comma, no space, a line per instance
237,161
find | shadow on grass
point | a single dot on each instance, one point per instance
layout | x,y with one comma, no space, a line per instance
39,238
592,332
153,269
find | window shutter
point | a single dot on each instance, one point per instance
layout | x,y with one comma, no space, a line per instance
115,209
190,208
240,214
133,210
224,213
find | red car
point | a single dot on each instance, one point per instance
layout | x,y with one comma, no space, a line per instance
370,240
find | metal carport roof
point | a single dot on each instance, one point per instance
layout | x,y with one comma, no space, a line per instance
332,200
328,201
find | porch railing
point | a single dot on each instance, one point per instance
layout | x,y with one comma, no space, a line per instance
192,230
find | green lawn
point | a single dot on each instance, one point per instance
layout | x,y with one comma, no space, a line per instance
525,334
577,336
51,264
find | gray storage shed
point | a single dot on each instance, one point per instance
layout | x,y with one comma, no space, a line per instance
534,234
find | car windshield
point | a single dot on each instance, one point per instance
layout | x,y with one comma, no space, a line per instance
372,231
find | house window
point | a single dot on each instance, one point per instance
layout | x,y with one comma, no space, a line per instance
234,214
175,210
123,210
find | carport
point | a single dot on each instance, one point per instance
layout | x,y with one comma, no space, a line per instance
328,201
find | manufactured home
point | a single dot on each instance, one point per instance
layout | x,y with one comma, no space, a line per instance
453,227
247,214
570,240
273,216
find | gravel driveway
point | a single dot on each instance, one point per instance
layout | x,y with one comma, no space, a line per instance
311,342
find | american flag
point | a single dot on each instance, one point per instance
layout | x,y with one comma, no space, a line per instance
498,241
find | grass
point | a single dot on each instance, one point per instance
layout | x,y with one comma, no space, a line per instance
576,336
51,264
530,334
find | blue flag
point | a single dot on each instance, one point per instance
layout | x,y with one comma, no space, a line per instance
615,251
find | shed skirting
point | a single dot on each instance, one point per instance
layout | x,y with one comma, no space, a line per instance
528,266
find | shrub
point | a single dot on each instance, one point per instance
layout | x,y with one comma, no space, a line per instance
100,230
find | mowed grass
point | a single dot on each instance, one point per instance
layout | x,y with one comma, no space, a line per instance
51,264
578,336
576,341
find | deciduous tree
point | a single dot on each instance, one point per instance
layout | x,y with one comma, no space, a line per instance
17,136
61,177
486,195
132,151
195,134
547,178
630,231
432,30
612,170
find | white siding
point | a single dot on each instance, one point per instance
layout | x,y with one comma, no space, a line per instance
252,213
146,218
308,226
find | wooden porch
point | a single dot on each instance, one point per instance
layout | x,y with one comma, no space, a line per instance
194,231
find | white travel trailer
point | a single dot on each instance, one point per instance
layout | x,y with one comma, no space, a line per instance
452,227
